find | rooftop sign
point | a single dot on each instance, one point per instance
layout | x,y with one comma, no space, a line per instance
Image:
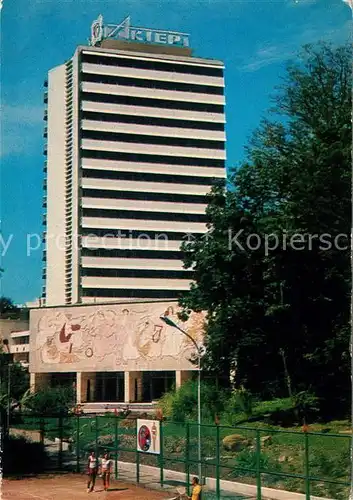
124,31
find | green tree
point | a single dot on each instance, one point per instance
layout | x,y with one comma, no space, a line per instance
14,381
7,306
50,400
281,317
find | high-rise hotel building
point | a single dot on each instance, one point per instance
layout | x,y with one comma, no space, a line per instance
134,141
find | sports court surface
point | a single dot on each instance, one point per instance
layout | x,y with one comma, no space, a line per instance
73,487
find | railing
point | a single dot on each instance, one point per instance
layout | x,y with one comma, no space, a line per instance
235,460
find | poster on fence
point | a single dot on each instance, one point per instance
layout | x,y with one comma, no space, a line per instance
148,436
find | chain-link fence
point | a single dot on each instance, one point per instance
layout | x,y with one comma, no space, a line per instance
235,462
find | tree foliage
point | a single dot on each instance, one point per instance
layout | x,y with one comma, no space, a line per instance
7,307
50,401
280,316
14,381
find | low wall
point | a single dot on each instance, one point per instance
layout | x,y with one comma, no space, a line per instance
226,486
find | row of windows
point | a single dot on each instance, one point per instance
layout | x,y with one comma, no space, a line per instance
99,135
152,103
152,121
142,236
135,215
152,65
136,273
136,294
130,254
152,84
146,158
148,177
145,196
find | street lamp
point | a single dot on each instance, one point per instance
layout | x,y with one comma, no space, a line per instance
171,323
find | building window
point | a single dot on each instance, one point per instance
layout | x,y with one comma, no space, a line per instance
151,102
148,177
135,234
135,195
136,273
138,294
131,254
137,215
152,139
147,158
149,120
152,84
152,65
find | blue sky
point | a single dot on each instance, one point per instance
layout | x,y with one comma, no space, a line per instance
253,37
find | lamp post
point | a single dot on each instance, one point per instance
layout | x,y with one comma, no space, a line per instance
171,323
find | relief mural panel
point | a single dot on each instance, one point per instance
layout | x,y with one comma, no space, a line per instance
121,337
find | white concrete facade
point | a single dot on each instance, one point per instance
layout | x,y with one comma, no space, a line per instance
135,142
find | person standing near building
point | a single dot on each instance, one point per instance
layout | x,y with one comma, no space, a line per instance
196,490
92,467
106,465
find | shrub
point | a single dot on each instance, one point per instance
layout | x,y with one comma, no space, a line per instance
247,459
21,456
181,404
51,401
244,400
306,404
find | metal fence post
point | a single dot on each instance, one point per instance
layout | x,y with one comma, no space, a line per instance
258,466
78,443
116,423
60,458
218,467
187,458
307,466
161,456
137,456
96,434
42,430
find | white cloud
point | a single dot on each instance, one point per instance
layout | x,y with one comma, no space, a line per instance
21,113
21,129
277,53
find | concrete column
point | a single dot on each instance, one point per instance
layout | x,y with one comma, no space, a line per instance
79,388
133,380
38,381
129,388
181,376
82,379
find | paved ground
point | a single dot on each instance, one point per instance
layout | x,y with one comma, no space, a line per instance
73,487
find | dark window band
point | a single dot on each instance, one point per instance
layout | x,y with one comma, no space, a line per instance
137,294
149,120
152,139
151,103
152,84
124,234
147,177
131,214
134,195
152,65
131,254
143,158
136,273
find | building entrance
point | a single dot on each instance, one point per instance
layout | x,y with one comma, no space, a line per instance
109,387
155,384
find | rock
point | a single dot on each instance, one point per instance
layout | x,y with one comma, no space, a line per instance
235,442
266,441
